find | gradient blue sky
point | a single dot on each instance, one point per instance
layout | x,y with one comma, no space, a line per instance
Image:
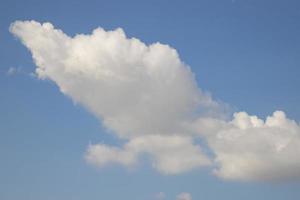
245,52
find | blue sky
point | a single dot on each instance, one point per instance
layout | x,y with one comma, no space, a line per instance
244,52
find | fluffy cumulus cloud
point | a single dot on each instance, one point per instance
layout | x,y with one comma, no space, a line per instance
133,88
149,98
248,148
169,154
144,94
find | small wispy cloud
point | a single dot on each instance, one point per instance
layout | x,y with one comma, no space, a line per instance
13,71
180,196
184,196
160,196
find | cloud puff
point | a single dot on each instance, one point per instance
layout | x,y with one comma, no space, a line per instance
169,154
248,148
149,98
184,196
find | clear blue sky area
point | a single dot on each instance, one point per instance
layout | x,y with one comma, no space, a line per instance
244,52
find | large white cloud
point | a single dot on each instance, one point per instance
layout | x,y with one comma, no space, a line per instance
134,88
147,96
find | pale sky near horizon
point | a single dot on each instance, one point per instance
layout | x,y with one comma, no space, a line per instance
109,117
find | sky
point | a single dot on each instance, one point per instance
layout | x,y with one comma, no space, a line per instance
148,100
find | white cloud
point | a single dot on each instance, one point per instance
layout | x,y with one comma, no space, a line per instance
148,97
168,154
184,196
136,90
133,88
248,148
101,155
